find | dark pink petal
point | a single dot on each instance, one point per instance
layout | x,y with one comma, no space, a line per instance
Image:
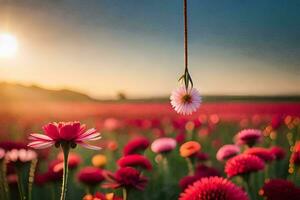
88,146
51,130
69,131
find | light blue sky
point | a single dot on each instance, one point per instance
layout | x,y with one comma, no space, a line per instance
104,46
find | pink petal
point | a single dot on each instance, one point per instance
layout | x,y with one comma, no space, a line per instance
88,146
40,145
51,130
36,136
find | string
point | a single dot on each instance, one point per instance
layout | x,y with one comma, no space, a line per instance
185,35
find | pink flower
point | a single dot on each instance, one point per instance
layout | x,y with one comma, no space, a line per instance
249,137
243,164
213,188
135,160
21,155
185,101
278,152
263,153
90,175
56,133
163,145
227,151
2,153
135,145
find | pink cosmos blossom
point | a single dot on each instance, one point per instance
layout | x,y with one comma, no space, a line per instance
21,155
185,101
163,145
227,151
72,132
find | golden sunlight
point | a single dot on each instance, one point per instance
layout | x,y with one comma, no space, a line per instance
8,45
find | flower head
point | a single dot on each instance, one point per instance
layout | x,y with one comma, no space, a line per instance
227,151
163,145
101,196
213,188
185,101
135,160
263,153
278,152
135,145
71,132
126,177
243,164
279,189
295,157
249,137
21,155
189,149
99,160
90,175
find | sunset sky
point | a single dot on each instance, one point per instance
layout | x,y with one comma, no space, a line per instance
101,47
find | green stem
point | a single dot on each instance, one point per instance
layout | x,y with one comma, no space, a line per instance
20,183
66,150
31,177
190,166
125,194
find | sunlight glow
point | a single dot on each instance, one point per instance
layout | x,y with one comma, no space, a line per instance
8,45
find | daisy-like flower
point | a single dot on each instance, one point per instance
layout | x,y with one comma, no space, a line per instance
213,188
21,155
185,101
263,153
278,152
163,145
136,145
227,151
135,160
64,132
90,176
279,189
243,164
249,137
126,177
189,149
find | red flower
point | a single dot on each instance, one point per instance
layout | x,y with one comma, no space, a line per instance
249,137
74,159
90,175
126,177
205,171
188,180
135,145
295,157
135,160
72,132
279,189
213,188
278,152
243,164
10,145
262,153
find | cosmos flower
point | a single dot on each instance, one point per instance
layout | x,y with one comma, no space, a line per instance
263,153
279,189
249,137
278,152
243,164
135,160
126,177
99,160
227,151
74,159
163,145
136,145
21,155
90,175
295,157
189,148
71,132
184,101
213,188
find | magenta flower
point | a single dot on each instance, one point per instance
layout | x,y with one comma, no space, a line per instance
135,145
263,153
185,101
163,145
249,137
243,164
135,160
227,151
278,152
90,176
71,132
213,188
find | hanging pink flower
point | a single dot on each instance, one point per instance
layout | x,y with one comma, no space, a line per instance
56,133
185,101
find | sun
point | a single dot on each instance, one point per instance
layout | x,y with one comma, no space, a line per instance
8,45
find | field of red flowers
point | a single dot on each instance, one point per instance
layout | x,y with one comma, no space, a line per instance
226,150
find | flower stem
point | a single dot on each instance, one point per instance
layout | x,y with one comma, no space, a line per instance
66,150
3,181
190,166
20,183
31,177
125,194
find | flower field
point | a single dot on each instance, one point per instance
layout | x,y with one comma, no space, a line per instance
226,151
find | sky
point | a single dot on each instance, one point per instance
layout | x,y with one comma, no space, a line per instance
102,47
